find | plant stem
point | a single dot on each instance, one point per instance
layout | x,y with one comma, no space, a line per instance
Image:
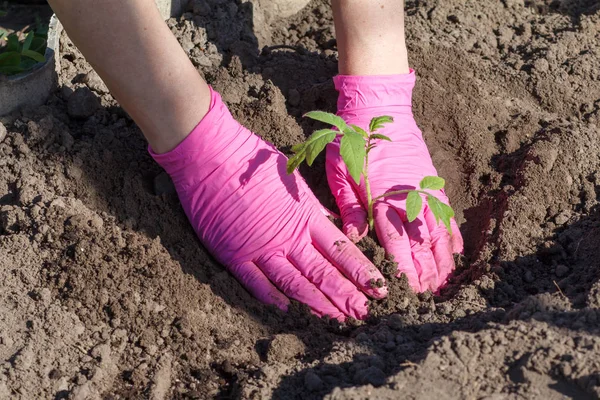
370,200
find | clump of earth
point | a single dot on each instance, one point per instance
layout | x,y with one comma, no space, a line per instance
107,293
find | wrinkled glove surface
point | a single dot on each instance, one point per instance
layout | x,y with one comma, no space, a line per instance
264,225
422,248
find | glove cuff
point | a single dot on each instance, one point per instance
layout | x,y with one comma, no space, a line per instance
372,91
209,141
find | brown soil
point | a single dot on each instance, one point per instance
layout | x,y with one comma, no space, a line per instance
106,292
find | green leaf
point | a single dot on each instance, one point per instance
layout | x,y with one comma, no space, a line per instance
353,152
316,135
379,136
12,43
41,29
10,58
38,44
28,40
310,149
378,122
298,147
414,202
295,161
317,142
34,55
27,63
3,13
440,211
432,183
329,118
360,130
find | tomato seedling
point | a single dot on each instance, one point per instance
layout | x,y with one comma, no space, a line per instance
355,146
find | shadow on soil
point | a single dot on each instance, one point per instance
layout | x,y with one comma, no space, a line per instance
573,8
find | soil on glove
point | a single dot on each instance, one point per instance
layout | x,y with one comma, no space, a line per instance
105,292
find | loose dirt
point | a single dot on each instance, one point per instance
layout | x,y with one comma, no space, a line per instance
106,292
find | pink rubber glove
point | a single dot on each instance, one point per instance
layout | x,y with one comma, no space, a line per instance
423,249
264,225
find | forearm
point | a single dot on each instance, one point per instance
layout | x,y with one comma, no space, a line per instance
370,37
142,64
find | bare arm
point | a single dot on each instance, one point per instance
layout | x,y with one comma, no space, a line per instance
141,62
370,37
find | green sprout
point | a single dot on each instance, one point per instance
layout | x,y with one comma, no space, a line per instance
355,146
20,56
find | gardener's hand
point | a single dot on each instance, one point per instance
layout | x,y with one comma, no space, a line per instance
422,248
264,225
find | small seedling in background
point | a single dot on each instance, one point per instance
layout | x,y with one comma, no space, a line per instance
355,146
18,56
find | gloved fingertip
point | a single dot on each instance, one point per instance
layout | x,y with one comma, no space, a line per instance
282,303
273,297
360,313
457,244
378,292
341,318
413,280
355,230
376,288
338,316
440,286
456,239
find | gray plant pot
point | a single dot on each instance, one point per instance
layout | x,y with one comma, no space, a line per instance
33,87
170,8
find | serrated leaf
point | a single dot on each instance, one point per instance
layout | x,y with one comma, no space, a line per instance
33,55
328,118
379,136
318,143
360,130
378,122
316,135
414,202
433,204
28,40
298,147
295,161
310,149
353,152
432,183
440,211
